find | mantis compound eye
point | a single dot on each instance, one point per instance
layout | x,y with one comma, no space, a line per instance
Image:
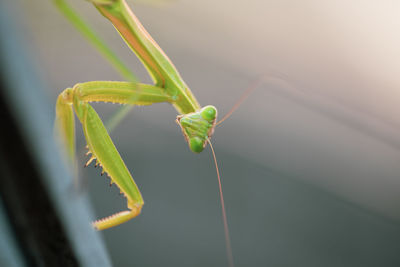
209,113
196,144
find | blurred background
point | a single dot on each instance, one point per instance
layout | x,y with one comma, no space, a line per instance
310,171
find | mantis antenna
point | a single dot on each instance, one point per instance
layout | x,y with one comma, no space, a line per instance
226,229
245,95
263,78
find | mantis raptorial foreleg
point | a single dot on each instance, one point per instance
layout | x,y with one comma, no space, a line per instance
99,142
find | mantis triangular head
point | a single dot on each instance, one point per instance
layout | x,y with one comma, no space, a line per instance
198,127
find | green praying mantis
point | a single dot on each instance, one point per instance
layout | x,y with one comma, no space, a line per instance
197,123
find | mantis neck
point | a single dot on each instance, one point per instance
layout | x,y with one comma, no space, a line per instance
157,63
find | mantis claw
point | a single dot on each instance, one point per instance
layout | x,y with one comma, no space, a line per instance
89,161
117,218
99,143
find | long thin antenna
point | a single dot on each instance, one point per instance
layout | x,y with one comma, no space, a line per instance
226,229
246,93
270,76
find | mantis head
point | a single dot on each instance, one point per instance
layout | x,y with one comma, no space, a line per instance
198,127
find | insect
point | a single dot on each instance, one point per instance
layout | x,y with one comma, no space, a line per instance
197,123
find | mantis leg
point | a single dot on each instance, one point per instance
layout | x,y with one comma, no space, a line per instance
98,140
65,123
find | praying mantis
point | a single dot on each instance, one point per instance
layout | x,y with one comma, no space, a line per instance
197,123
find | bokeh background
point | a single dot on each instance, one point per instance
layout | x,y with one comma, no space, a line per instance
310,171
